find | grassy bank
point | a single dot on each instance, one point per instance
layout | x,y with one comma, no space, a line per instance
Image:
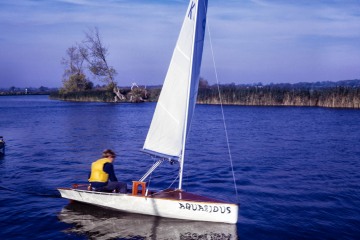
336,97
270,95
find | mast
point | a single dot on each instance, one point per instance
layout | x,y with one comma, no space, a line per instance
182,158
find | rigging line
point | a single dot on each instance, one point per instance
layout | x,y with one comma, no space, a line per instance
173,181
222,112
148,185
166,188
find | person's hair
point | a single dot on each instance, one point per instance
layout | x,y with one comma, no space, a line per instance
108,153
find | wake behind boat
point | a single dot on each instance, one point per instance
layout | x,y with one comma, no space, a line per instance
166,138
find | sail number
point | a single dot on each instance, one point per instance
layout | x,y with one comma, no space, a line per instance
204,208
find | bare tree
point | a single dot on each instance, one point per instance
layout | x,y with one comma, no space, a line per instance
95,53
74,78
73,63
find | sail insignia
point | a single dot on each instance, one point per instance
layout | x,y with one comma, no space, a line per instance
191,9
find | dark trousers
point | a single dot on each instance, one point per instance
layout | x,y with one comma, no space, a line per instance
120,187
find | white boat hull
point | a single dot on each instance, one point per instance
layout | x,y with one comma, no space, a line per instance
211,211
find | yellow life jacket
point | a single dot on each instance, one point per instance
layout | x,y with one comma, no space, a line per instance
97,172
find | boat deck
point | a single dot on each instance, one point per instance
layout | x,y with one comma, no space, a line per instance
181,195
170,194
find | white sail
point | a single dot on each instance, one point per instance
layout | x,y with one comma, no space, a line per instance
174,110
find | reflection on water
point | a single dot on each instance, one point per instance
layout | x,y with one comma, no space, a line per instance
100,223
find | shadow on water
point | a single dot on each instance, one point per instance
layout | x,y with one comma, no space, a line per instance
100,223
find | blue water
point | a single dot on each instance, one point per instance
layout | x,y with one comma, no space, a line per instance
296,169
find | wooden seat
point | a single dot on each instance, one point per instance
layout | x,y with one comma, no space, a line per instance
135,187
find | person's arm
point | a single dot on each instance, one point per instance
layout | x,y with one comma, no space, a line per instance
109,169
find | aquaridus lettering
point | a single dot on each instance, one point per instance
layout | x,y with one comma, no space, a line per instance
204,208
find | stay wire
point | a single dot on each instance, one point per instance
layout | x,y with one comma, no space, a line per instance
222,112
149,182
177,176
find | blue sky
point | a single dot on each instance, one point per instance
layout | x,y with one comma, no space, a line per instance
254,41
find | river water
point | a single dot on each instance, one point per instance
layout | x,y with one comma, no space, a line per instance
297,170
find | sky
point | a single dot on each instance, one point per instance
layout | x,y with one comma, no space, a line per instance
277,41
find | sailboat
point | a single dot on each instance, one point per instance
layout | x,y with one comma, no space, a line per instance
166,138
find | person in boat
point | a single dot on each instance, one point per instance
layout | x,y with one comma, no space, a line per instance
102,170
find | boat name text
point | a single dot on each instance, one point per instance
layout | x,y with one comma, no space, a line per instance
204,208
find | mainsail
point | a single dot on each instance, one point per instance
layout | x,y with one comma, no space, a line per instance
172,118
